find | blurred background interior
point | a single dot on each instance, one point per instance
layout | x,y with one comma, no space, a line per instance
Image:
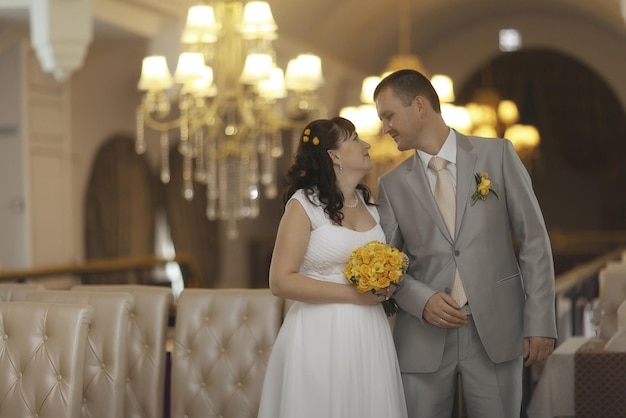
73,113
145,142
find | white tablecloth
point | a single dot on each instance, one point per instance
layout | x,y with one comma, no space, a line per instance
554,394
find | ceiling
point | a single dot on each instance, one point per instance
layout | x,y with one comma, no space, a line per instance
359,34
365,33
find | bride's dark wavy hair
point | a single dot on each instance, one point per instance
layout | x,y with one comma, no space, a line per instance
313,167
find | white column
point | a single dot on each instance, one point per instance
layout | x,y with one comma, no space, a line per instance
61,31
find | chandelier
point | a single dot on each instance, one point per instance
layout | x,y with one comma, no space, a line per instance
227,104
491,116
487,115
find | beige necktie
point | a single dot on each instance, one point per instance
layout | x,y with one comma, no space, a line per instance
445,198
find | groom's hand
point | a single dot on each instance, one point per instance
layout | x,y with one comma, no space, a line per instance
442,311
537,349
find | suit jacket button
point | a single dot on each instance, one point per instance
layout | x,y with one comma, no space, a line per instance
457,252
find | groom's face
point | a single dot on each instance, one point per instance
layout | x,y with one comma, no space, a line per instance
401,121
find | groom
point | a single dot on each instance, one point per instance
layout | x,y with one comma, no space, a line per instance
505,312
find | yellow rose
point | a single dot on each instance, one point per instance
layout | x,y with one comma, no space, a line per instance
484,186
384,282
362,287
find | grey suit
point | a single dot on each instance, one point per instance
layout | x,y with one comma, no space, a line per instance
510,297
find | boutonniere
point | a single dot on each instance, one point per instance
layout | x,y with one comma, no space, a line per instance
483,187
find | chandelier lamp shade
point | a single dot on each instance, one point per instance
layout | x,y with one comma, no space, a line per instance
227,105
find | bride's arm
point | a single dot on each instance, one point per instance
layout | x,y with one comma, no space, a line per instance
292,239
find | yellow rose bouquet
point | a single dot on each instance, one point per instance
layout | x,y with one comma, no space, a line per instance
376,266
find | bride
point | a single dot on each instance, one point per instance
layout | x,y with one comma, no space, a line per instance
334,355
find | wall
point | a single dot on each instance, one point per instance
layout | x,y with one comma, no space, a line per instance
103,103
14,241
37,218
47,142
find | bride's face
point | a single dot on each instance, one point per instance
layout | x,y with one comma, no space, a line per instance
354,153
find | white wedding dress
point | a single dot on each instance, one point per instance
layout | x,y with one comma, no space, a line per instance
334,360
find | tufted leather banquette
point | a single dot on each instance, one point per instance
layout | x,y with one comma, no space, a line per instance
147,332
12,292
222,342
104,376
42,357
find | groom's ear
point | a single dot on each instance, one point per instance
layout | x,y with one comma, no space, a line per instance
419,102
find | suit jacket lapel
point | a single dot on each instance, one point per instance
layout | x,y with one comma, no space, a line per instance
417,181
465,183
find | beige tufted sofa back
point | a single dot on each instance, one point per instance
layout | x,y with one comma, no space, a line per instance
42,348
147,332
12,292
223,338
104,376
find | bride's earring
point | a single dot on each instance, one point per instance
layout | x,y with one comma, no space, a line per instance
335,157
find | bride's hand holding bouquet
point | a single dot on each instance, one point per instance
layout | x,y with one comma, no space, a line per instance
374,267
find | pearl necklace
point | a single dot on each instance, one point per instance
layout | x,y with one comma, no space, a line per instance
355,204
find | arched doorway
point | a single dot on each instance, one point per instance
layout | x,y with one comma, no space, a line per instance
582,123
